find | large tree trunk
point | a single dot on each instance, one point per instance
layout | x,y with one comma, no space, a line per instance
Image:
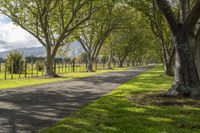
49,70
90,62
186,81
197,52
90,66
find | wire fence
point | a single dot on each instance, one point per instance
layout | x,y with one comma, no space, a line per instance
26,69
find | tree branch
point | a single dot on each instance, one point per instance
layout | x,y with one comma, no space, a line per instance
168,13
194,15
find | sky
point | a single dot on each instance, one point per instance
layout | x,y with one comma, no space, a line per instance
13,37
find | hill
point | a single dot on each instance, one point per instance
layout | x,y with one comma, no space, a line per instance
73,50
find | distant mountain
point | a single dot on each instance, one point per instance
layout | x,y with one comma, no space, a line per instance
73,50
33,51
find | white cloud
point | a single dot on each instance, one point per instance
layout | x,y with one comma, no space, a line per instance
12,36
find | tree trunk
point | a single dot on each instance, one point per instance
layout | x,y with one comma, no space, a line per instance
197,52
128,63
168,65
186,81
90,66
121,63
168,69
133,63
90,62
49,72
167,60
110,60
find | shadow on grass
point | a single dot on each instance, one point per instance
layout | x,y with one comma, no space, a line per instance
119,112
117,115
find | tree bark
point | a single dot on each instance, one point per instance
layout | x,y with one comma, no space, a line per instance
121,63
110,60
169,69
90,62
49,69
90,66
49,72
168,63
197,52
186,81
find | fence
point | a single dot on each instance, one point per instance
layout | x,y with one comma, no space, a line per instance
27,70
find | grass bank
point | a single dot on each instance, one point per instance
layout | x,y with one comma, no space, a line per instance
135,107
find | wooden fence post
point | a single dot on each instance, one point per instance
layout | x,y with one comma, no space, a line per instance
32,69
25,67
73,65
43,68
55,67
19,69
37,71
5,71
12,68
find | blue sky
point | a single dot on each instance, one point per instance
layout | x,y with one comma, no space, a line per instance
12,36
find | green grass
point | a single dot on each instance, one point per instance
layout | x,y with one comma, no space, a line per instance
6,84
129,110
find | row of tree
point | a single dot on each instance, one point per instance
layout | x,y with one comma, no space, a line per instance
133,30
56,23
176,25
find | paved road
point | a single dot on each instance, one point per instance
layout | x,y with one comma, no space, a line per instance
32,108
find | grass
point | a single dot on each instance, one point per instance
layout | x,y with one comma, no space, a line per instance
128,110
7,84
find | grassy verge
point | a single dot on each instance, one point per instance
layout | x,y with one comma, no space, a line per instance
6,84
137,106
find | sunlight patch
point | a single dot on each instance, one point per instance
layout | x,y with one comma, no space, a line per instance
160,119
134,109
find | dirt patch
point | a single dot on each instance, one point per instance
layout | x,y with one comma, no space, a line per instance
160,99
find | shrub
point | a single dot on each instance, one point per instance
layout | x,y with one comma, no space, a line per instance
39,65
15,62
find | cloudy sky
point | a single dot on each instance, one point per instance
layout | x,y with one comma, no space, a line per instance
12,36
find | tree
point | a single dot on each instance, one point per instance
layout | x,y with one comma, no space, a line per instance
96,31
160,29
121,34
51,22
186,81
126,42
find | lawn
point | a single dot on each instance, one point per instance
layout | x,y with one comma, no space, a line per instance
138,106
6,84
